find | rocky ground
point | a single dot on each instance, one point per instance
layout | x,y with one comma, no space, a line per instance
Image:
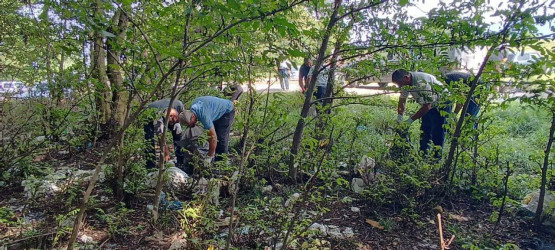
32,217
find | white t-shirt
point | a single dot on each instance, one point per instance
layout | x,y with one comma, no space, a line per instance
422,89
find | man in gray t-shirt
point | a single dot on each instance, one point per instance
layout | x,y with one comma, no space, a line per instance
423,88
156,126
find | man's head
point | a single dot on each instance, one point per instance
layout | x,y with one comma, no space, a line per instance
188,118
173,116
401,77
308,62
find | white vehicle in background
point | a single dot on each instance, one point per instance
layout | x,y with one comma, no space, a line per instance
523,58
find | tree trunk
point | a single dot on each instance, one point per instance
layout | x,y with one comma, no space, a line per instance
539,210
120,95
102,88
331,78
297,137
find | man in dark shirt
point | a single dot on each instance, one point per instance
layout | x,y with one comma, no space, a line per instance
303,74
466,78
156,126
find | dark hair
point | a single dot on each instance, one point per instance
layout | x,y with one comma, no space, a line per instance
399,74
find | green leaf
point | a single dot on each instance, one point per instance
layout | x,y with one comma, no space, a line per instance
295,53
403,2
106,34
234,4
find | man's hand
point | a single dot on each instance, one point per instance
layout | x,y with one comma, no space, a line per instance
399,118
166,153
160,124
167,157
405,125
177,128
408,122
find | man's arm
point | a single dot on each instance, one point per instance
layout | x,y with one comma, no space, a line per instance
167,152
301,83
306,82
422,111
401,105
212,141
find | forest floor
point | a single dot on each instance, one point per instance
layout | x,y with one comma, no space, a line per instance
373,227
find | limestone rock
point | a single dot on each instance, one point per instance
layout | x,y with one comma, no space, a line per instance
85,239
335,232
357,185
366,169
267,189
294,197
176,178
348,232
35,187
320,228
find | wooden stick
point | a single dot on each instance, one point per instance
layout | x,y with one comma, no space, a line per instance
441,243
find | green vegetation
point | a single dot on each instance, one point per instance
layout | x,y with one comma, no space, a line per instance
72,159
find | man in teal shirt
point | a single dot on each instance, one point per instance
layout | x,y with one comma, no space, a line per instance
216,115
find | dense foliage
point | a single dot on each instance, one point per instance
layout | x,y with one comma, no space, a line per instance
96,64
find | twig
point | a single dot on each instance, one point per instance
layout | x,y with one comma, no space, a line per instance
441,243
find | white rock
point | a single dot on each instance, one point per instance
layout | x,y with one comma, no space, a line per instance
178,244
348,232
202,186
357,185
39,138
355,209
335,233
366,169
319,227
214,187
531,202
85,239
87,174
294,197
176,178
347,199
267,189
36,187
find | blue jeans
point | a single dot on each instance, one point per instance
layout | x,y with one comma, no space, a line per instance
473,110
222,126
283,78
433,128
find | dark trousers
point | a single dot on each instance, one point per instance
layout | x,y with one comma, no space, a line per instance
150,130
433,129
222,127
320,93
473,110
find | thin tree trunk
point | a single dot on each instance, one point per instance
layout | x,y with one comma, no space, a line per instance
245,155
120,95
102,88
457,133
539,210
297,137
505,190
161,169
105,153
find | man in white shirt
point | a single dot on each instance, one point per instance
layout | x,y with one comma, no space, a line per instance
423,88
284,72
